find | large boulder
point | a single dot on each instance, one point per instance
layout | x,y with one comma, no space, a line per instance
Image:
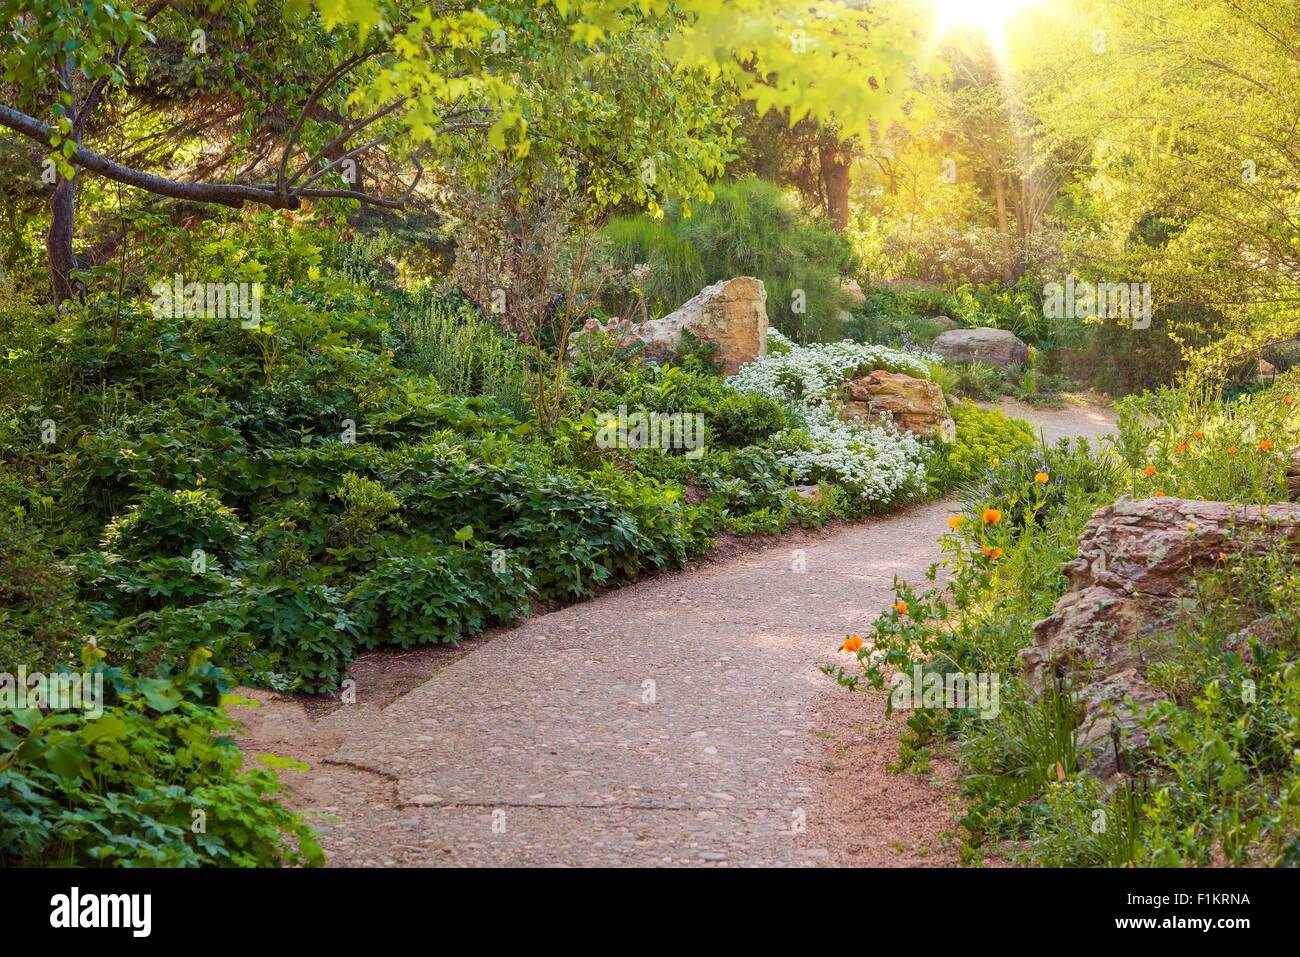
731,315
1129,586
914,405
854,290
996,347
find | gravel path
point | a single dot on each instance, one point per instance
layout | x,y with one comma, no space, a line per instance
681,720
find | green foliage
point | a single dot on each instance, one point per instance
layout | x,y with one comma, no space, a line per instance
467,355
902,319
984,438
442,595
153,781
1189,444
176,523
749,229
976,380
1017,308
40,618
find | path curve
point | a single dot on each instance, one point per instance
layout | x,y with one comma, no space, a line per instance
680,720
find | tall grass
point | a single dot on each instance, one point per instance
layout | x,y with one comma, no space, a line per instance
750,229
468,355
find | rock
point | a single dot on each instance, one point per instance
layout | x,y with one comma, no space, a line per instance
1129,586
1265,370
996,347
855,291
731,315
811,493
914,405
944,323
844,316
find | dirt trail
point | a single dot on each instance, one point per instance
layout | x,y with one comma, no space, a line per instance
681,720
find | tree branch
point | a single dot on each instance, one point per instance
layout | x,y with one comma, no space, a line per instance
234,195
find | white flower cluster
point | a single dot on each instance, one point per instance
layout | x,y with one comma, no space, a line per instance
885,465
813,374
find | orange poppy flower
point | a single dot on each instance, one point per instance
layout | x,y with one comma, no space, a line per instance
1160,493
992,516
1265,445
1181,447
1041,478
956,521
1288,399
1197,434
900,607
851,643
1232,450
1149,471
997,553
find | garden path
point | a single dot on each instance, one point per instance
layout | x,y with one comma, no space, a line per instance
680,720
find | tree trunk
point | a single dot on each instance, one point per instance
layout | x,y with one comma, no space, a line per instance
62,259
836,166
1004,229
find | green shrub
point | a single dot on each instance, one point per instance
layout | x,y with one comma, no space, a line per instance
155,781
984,438
440,596
40,617
177,523
283,632
468,355
976,380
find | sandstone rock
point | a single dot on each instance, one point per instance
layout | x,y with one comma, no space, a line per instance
855,291
944,323
810,493
1265,370
996,347
1293,474
1129,585
914,405
731,315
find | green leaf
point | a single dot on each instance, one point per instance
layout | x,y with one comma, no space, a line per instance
66,757
107,728
160,694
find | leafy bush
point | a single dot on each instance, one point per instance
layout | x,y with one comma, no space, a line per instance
177,523
903,319
984,438
467,354
442,595
40,616
155,781
976,380
1191,444
749,229
284,632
